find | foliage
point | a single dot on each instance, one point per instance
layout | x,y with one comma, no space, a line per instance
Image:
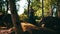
23,17
37,6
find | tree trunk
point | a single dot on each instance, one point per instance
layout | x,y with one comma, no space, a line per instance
58,4
28,7
0,5
7,7
15,17
42,8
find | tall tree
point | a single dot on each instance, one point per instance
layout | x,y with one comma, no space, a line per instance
58,4
42,8
0,5
31,18
15,17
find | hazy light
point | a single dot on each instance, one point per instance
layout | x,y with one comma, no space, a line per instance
22,4
9,12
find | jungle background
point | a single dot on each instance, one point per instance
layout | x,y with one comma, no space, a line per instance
34,10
